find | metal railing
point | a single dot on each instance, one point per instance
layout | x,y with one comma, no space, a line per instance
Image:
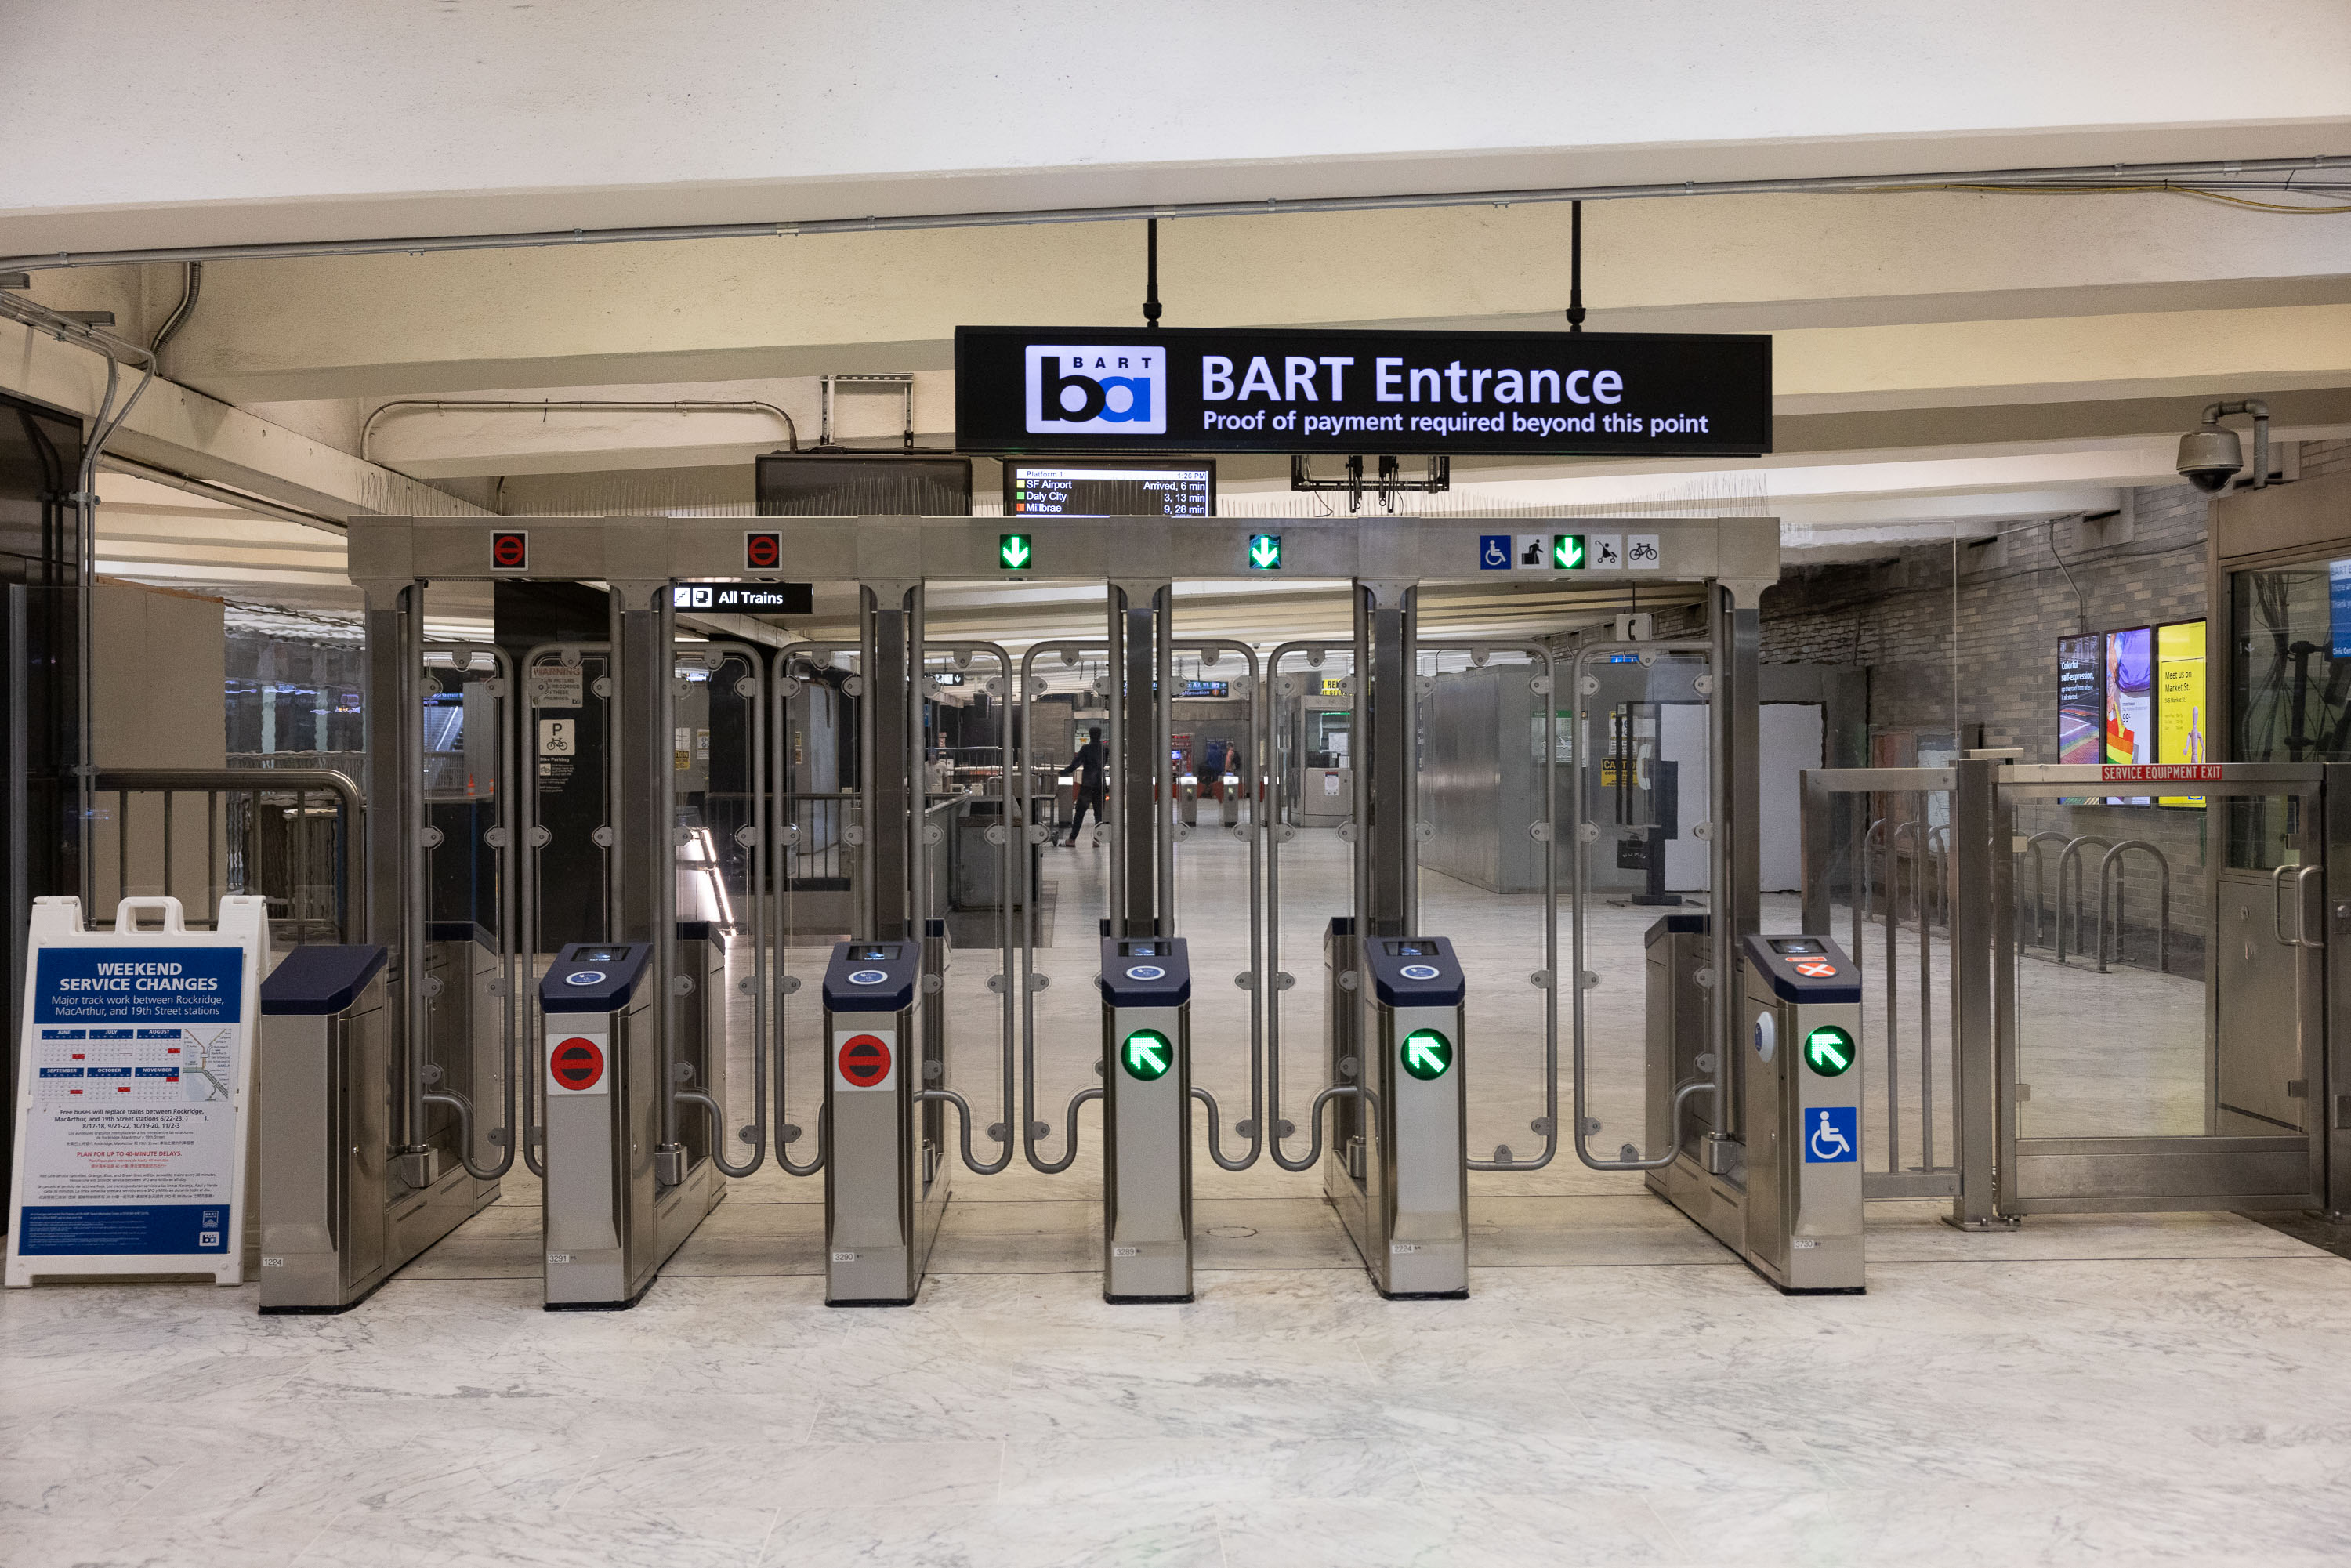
1860,861
293,838
818,857
354,763
2110,879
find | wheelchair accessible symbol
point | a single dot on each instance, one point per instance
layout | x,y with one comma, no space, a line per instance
1835,1134
1494,552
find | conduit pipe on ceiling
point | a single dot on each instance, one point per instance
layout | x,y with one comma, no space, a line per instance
2247,173
577,405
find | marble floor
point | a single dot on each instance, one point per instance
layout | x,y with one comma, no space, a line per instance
1617,1389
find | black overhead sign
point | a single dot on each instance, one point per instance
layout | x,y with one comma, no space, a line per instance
1116,389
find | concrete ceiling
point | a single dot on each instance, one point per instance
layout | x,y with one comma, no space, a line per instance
1945,363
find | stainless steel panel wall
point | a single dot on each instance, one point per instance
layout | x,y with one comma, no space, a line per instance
1481,778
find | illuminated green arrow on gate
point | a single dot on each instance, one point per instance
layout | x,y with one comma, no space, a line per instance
1148,1055
1828,1051
1013,550
1426,1053
1265,551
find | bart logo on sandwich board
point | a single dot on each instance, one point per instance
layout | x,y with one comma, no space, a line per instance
1095,388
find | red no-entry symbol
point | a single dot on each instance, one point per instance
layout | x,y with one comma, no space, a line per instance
864,1060
1816,969
578,1063
761,552
510,551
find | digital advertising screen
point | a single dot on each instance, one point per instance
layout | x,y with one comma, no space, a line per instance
2081,703
2081,699
2130,703
1081,489
2180,700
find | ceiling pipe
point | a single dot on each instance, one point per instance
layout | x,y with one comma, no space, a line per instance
576,405
2088,176
189,289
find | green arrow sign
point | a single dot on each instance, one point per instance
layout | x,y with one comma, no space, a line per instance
1567,552
1265,551
1828,1051
1013,552
1147,1055
1426,1053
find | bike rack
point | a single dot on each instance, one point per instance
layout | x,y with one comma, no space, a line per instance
2071,856
2040,867
2113,858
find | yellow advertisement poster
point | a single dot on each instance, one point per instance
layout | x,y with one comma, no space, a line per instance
2180,700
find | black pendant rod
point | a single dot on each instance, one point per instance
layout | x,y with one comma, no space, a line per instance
1151,276
1576,266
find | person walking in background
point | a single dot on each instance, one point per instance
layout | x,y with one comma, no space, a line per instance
1087,767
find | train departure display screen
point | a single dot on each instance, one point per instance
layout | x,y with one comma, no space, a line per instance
1084,489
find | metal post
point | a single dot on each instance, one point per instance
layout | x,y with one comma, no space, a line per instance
1387,846
394,854
1141,825
1982,918
1816,826
1163,836
2332,1068
644,824
893,805
1735,803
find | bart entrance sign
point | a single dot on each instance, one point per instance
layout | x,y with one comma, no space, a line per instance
1113,389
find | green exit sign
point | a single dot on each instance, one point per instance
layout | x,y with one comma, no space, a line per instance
1013,552
1426,1053
1829,1051
1147,1054
1567,552
1265,552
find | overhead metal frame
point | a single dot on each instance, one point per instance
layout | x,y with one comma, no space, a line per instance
1389,560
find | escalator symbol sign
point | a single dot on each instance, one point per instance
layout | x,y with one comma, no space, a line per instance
1833,1134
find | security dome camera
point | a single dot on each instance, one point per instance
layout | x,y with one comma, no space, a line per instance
2211,457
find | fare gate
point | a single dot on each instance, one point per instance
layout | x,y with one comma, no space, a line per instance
653,842
1146,992
885,1184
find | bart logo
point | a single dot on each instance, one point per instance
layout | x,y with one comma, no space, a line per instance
1093,389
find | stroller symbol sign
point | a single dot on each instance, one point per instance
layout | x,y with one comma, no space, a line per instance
1833,1135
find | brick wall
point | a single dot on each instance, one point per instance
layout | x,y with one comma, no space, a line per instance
1952,642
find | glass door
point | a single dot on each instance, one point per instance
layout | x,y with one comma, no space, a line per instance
2163,1011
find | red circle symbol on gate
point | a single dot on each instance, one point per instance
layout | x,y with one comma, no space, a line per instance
1816,969
864,1059
762,552
577,1063
510,552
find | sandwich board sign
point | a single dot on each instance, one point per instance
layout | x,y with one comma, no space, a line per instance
133,1081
